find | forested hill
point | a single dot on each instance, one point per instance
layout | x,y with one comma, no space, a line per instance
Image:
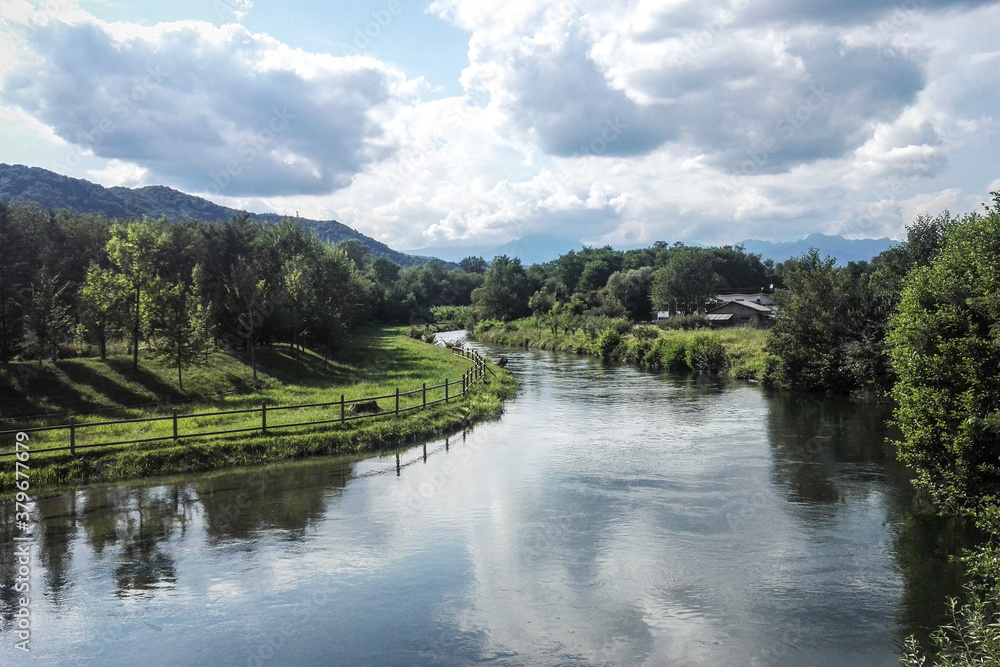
55,191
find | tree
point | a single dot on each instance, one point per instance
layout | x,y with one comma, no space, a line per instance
473,265
300,294
48,316
945,344
686,282
632,289
340,294
505,291
136,250
103,307
808,333
357,252
184,333
247,296
541,302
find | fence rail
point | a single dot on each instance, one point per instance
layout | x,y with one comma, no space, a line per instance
473,375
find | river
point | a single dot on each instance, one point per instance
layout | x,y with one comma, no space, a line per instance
612,516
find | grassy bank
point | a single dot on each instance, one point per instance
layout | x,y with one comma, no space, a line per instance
738,352
373,363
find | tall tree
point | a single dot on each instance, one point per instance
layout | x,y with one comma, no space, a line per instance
48,317
184,332
247,296
808,330
686,282
103,308
505,291
136,251
945,342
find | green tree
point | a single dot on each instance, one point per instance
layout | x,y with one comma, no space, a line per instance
473,265
945,344
505,291
686,282
247,297
340,295
540,303
633,290
807,333
299,294
357,252
184,332
102,300
136,251
48,317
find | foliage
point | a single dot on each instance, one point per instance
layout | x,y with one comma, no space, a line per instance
971,638
807,329
48,314
505,291
705,354
608,342
945,341
686,282
137,251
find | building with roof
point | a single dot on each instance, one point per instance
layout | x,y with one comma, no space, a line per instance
740,314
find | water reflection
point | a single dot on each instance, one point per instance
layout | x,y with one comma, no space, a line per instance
611,517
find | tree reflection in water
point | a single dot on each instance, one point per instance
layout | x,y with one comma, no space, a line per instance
829,451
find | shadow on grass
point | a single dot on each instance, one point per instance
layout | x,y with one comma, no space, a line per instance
112,386
29,390
304,368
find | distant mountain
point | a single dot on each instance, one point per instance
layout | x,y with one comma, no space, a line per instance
55,191
530,249
844,250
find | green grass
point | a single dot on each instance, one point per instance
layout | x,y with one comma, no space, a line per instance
738,352
374,363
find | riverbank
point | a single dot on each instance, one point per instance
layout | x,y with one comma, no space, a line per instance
375,362
738,352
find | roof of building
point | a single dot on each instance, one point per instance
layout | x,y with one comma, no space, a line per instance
746,304
719,317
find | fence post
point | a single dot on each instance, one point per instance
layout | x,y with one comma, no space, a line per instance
173,413
263,417
397,400
341,408
425,394
72,436
446,390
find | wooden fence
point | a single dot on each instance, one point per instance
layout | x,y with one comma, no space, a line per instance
473,375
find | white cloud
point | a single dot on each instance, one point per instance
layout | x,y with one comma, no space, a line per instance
626,122
206,109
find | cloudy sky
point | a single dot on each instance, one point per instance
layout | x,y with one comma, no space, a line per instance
459,122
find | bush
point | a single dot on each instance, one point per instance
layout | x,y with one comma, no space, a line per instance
483,326
667,353
705,354
608,343
635,350
454,315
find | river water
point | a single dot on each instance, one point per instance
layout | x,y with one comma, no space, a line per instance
612,517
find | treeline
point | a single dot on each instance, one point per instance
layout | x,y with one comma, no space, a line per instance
607,283
75,284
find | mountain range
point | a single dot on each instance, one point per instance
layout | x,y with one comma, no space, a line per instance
55,191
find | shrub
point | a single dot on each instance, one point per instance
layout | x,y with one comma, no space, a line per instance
705,354
667,353
608,343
